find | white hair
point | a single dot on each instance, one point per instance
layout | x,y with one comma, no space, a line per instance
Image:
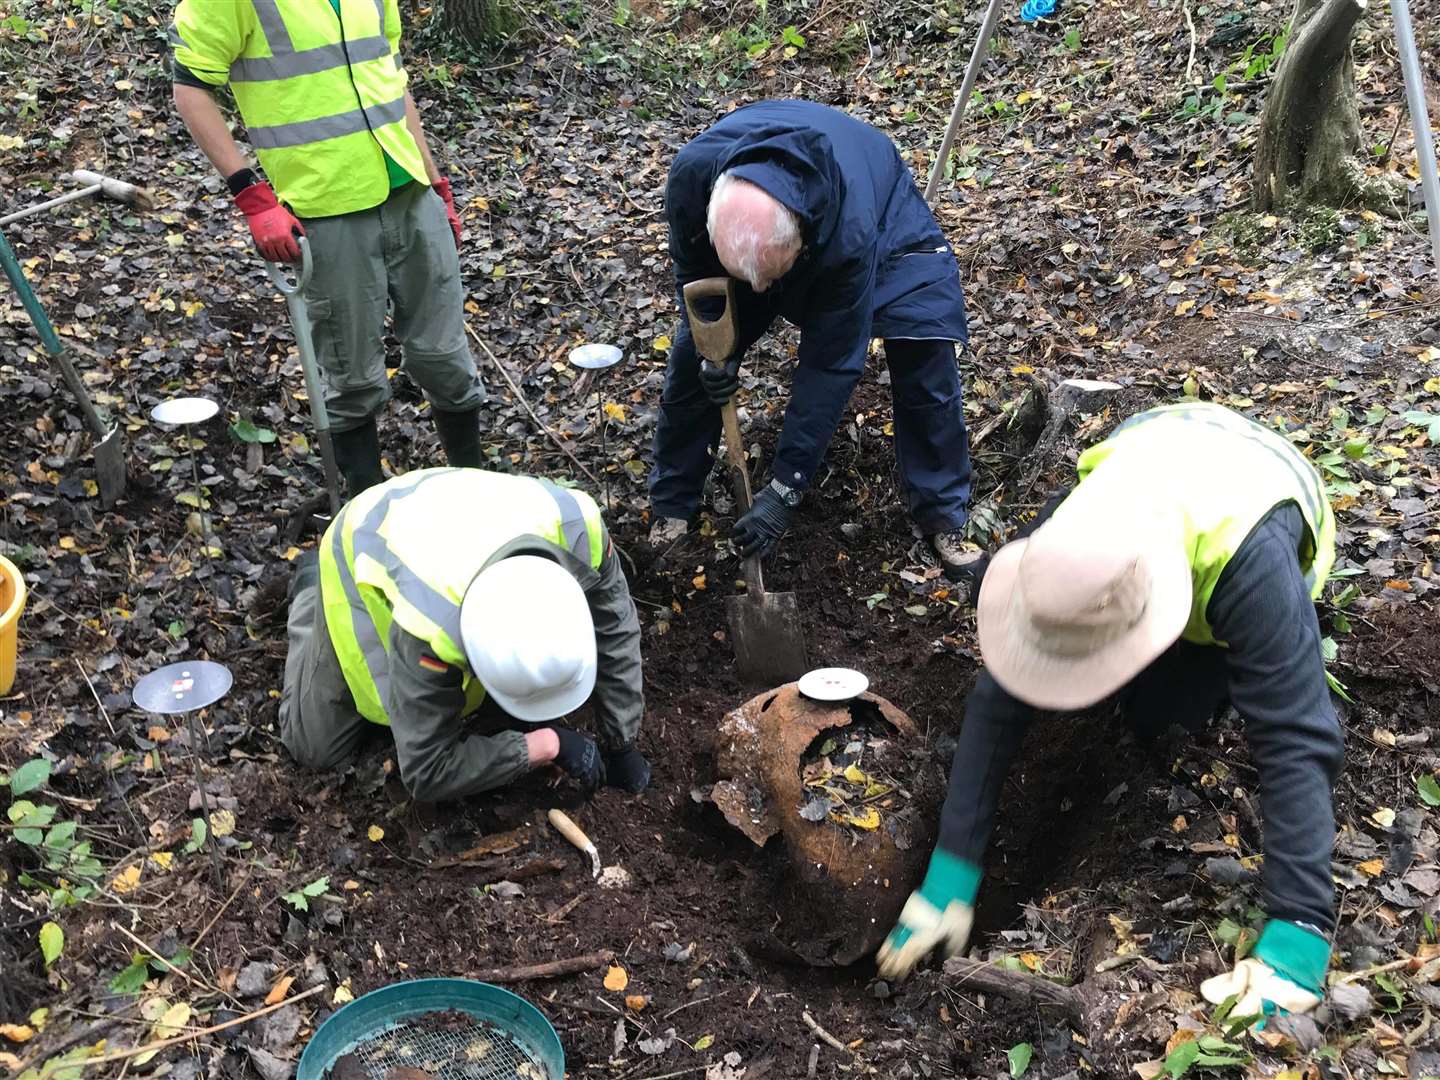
748,242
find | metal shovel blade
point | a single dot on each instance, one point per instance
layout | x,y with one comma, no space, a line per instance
110,467
768,636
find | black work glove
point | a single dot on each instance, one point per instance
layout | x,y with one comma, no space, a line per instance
720,382
580,758
627,769
758,531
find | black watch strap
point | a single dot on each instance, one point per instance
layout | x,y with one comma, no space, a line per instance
240,179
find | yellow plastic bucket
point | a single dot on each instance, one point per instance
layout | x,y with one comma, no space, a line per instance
12,603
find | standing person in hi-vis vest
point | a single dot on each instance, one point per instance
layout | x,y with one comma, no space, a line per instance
322,91
1181,571
441,587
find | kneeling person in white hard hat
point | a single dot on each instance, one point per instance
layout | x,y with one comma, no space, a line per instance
443,587
1181,571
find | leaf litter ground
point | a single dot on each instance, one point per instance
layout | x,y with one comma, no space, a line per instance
1098,209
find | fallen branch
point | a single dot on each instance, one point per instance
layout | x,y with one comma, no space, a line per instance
52,1066
823,1035
552,969
1017,986
525,404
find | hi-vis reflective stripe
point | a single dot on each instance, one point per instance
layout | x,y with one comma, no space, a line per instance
273,26
309,61
1312,487
572,520
376,660
301,132
286,62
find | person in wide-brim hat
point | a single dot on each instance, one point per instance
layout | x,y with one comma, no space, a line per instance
1181,573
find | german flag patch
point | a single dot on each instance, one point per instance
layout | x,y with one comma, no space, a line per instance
429,663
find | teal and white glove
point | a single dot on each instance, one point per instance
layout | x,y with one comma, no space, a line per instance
939,913
1285,973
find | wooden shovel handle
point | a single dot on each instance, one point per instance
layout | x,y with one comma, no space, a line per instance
715,339
570,830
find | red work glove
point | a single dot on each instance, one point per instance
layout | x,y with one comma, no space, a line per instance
442,188
273,227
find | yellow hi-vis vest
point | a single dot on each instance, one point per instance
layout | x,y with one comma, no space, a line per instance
1223,472
321,93
406,551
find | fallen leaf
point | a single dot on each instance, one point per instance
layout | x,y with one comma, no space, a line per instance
616,979
222,823
867,819
126,881
704,1042
279,990
17,1032
661,343
162,859
343,994
158,733
856,775
1371,867
615,412
375,833
636,1002
1383,817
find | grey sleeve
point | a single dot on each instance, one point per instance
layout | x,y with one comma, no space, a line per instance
1262,610
438,759
995,725
619,695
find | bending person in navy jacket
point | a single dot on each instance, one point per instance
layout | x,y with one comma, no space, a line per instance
820,220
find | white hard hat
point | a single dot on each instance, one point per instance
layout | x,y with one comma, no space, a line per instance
529,637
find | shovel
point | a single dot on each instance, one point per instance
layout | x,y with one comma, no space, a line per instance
765,626
300,323
110,447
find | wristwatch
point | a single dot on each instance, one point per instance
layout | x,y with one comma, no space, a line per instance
789,496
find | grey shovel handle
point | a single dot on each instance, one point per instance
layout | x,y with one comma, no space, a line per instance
283,283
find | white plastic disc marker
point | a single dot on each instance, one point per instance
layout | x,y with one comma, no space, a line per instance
182,687
594,356
184,410
833,684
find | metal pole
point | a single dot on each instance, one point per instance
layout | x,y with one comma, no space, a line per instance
1419,120
196,736
962,99
50,204
199,491
604,453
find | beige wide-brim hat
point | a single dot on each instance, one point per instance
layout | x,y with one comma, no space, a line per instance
1076,611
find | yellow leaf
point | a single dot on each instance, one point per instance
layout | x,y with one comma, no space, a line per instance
158,733
163,859
17,1032
698,581
222,822
91,488
124,84
126,881
1383,817
1022,369
290,553
661,343
68,543
704,1042
856,775
1030,960
1372,867
874,791
1432,386
279,990
615,412
375,833
616,979
193,308
175,1018
868,819
479,202
636,1002
1087,331
174,239
1184,306
343,994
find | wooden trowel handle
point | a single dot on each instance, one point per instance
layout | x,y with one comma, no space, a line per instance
715,340
570,830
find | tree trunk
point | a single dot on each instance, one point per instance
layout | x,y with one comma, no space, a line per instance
469,22
1310,128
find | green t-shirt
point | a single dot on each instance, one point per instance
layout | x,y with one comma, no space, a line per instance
398,176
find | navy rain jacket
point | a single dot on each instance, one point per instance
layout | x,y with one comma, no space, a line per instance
875,263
